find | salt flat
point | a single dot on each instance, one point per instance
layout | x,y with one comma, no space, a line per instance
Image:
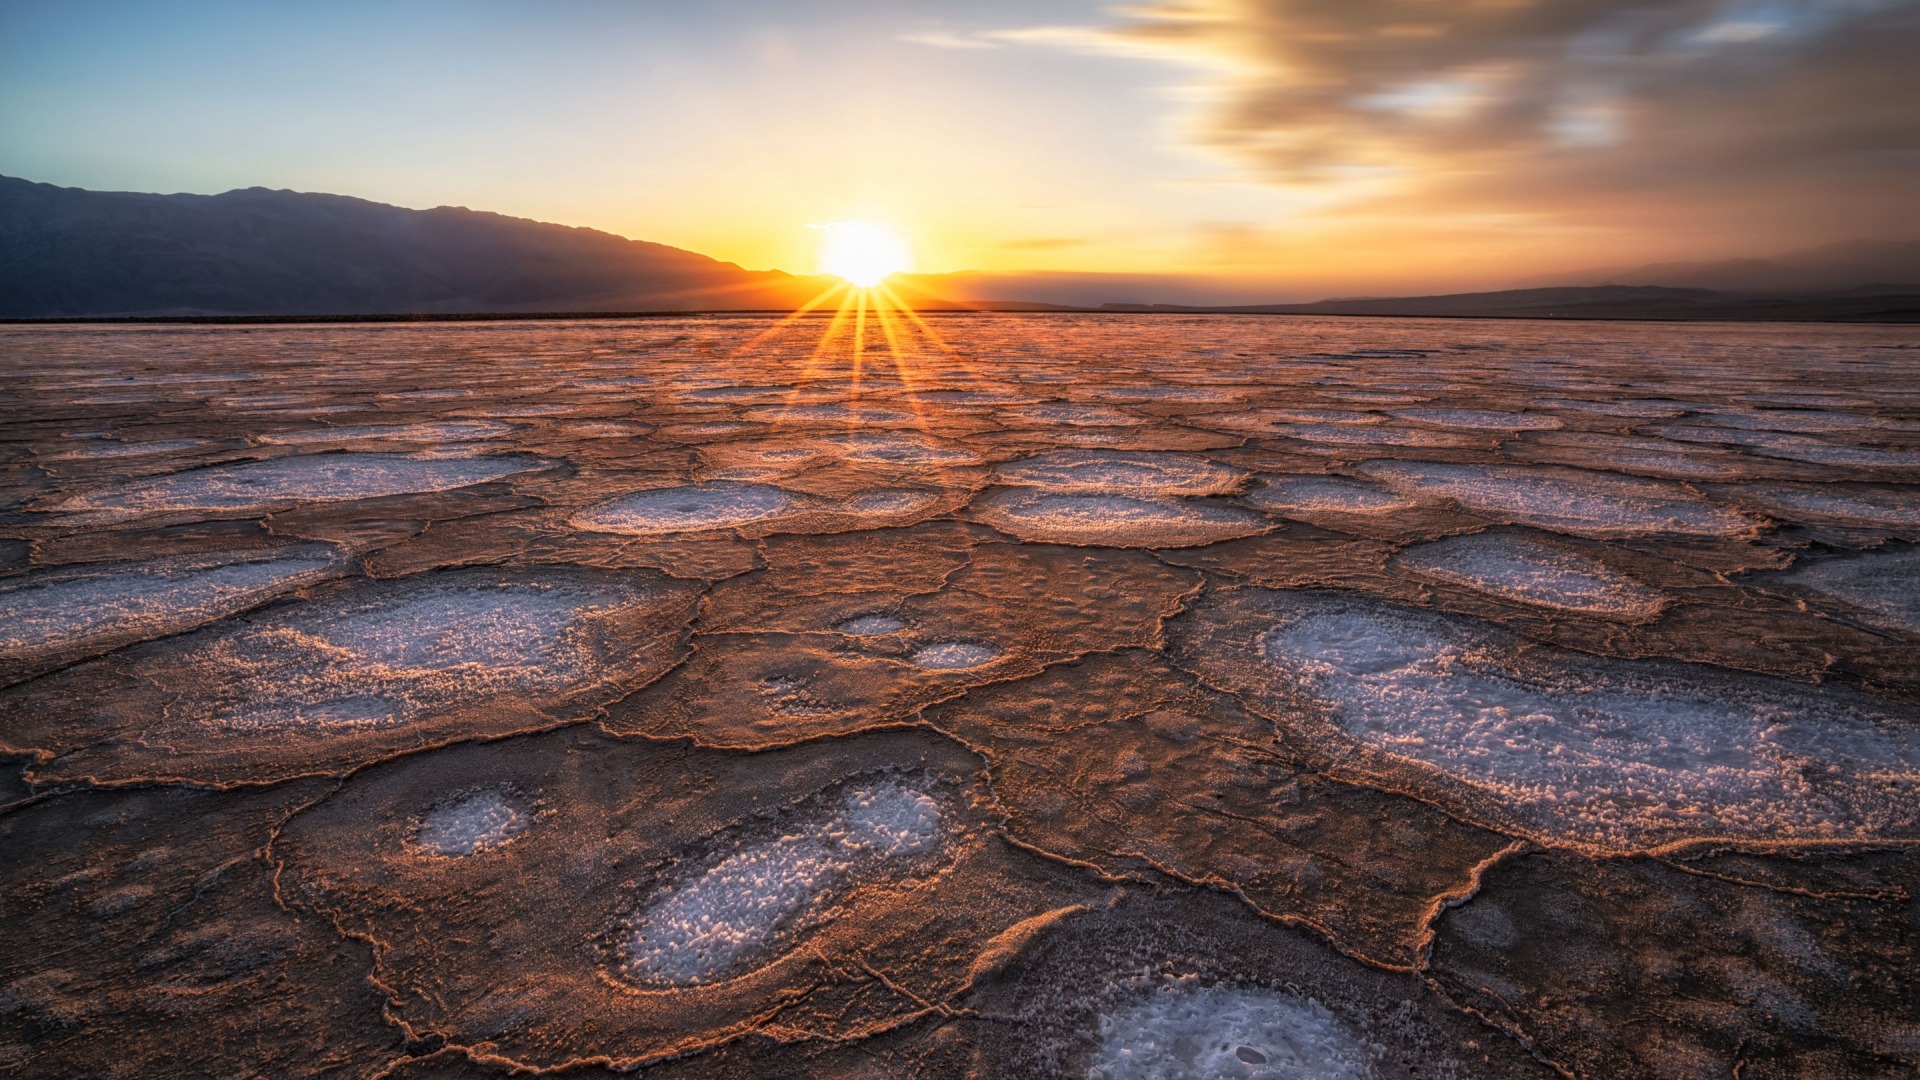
1004,695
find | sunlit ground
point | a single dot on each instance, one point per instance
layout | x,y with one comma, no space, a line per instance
863,692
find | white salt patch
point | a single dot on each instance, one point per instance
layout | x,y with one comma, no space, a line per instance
694,508
1794,447
1325,495
100,606
110,450
425,645
1597,752
1564,500
440,432
892,448
1120,472
954,655
871,625
1183,1032
260,485
1882,587
1531,572
476,821
1831,504
1114,520
742,907
1481,419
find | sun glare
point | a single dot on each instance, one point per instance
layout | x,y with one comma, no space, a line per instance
862,253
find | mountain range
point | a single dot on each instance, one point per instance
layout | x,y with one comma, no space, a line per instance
73,253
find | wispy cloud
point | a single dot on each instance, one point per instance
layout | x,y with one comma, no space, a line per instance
947,39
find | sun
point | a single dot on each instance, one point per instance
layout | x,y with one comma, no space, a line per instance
862,253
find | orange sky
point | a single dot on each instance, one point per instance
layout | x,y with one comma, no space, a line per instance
1294,148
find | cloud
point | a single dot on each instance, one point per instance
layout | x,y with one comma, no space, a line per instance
947,39
1782,114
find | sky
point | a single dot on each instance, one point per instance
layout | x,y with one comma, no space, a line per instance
1271,149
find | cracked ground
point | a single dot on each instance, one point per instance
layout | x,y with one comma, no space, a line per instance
995,696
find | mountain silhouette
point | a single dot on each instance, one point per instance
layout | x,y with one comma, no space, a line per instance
72,252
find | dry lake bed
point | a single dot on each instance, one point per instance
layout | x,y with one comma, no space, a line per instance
990,695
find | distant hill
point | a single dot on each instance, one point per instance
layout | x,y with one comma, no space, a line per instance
1893,265
1604,302
70,252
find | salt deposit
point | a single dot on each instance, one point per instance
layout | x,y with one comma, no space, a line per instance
720,921
1114,520
872,625
694,508
1615,755
392,654
1121,473
1880,588
95,607
262,485
443,432
895,448
1481,419
476,821
1536,573
114,450
1564,500
1325,495
955,655
1835,504
1181,1031
1074,416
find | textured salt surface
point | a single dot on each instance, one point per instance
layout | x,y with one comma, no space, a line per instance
474,822
110,450
95,607
1532,572
1614,754
1882,588
700,507
954,655
1480,419
899,449
1835,504
718,922
725,504
1114,520
1325,495
1181,1032
871,625
427,644
443,432
1564,500
260,485
1120,473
